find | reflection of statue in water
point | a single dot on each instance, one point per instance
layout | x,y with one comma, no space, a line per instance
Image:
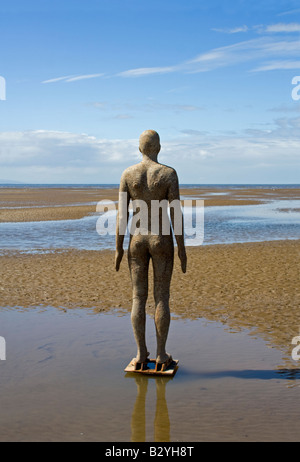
150,181
161,421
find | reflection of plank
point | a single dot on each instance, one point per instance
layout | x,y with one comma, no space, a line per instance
150,368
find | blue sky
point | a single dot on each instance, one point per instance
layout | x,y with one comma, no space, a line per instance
84,79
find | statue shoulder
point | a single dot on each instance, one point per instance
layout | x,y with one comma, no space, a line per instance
170,172
129,171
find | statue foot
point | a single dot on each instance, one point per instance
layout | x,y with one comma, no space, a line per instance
140,359
164,362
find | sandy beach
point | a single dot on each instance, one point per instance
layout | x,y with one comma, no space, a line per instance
246,288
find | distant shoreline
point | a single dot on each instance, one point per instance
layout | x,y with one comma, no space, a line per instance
17,185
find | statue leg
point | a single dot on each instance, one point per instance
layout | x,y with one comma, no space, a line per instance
139,266
162,259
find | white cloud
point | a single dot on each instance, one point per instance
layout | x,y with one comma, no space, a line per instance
57,79
50,156
84,77
249,50
256,49
123,116
49,148
234,30
151,106
73,78
255,156
286,13
281,27
260,28
284,108
278,65
144,71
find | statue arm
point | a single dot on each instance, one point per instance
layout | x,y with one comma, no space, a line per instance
174,195
122,220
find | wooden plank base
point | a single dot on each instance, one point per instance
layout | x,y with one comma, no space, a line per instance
151,368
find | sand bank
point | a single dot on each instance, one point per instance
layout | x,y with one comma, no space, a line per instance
240,196
19,205
253,286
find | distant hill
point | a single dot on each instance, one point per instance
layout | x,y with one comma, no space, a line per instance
9,182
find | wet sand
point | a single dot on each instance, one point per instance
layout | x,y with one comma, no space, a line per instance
19,205
24,205
251,285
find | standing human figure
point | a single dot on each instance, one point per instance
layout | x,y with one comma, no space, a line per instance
150,181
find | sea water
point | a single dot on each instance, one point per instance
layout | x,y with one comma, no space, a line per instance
272,220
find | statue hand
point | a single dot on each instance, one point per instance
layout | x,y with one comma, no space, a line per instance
118,258
183,258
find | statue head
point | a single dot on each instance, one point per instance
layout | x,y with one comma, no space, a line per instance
149,143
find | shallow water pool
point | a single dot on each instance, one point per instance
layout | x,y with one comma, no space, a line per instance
274,220
64,380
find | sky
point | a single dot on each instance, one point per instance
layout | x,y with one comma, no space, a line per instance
81,80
